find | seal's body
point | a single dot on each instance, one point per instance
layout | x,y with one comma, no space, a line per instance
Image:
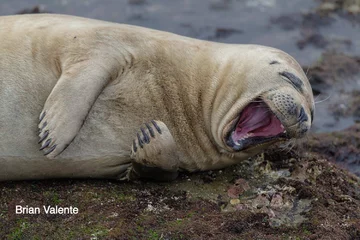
82,90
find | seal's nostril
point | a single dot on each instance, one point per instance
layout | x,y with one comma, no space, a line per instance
302,116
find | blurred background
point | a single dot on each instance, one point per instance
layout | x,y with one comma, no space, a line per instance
316,32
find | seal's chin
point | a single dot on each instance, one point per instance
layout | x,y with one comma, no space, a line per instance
256,125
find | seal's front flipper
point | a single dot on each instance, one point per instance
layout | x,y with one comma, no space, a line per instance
69,103
154,154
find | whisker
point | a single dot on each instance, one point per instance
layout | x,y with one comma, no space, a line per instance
288,146
294,125
316,102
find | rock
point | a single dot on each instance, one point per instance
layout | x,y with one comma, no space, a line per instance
234,201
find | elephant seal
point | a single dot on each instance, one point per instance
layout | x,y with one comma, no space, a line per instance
107,100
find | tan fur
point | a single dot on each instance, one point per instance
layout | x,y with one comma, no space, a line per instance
195,87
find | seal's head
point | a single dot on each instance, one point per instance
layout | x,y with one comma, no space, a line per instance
271,100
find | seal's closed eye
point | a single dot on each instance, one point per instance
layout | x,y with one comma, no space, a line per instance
274,62
294,80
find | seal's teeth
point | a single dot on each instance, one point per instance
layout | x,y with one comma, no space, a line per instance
243,138
282,127
238,142
247,135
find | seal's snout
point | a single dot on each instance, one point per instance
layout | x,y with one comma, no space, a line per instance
285,104
291,112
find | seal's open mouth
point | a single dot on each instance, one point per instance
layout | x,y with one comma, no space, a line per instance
257,124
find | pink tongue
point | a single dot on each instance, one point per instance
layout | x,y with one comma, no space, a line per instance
257,120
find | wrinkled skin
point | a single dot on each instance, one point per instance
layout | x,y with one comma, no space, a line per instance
81,89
